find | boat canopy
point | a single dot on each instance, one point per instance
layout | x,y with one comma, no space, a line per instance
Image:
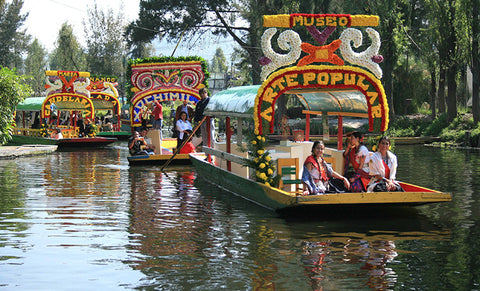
240,101
30,104
235,101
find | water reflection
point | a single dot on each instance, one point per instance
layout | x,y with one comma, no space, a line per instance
90,219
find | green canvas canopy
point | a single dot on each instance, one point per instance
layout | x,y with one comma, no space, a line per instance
239,101
31,104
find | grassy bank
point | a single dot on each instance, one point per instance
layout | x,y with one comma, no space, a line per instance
461,131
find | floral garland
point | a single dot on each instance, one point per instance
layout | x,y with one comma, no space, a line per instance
93,130
261,162
44,130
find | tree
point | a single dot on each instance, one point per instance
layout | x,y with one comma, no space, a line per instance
13,40
68,54
472,8
12,91
35,66
219,62
241,19
106,46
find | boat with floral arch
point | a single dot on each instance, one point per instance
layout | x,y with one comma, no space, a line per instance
329,79
162,79
68,98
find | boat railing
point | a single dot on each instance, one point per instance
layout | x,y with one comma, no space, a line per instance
28,132
222,159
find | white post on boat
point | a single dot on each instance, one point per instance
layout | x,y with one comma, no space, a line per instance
209,136
326,133
239,131
229,139
307,128
340,133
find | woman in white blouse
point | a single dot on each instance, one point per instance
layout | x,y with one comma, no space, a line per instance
184,128
383,168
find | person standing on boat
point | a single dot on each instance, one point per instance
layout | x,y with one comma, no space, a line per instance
357,155
383,168
157,115
184,128
199,114
318,176
185,107
87,129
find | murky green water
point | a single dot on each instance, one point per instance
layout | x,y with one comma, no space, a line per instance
87,221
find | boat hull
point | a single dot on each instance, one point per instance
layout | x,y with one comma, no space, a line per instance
277,199
23,140
82,142
120,135
179,159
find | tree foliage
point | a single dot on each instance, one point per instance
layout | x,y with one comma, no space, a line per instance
106,47
35,66
68,55
13,90
219,62
13,39
240,19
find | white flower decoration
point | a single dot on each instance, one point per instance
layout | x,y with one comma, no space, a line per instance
288,40
364,58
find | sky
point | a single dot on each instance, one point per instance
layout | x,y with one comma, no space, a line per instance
47,16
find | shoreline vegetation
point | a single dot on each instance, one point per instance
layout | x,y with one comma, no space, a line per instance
461,132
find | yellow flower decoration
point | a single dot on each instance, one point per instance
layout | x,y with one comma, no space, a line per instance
269,171
374,148
254,142
268,184
260,152
262,165
268,158
259,137
263,176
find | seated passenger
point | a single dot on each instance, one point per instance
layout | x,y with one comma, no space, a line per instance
150,148
187,148
57,133
318,176
383,169
137,145
358,156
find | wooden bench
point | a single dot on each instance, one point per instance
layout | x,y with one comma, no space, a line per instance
288,172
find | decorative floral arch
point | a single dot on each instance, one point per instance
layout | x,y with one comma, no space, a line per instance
322,76
150,97
73,102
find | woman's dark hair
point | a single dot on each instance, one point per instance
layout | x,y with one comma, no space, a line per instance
202,90
183,112
315,143
358,135
386,138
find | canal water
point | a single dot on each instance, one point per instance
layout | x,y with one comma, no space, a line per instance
85,220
